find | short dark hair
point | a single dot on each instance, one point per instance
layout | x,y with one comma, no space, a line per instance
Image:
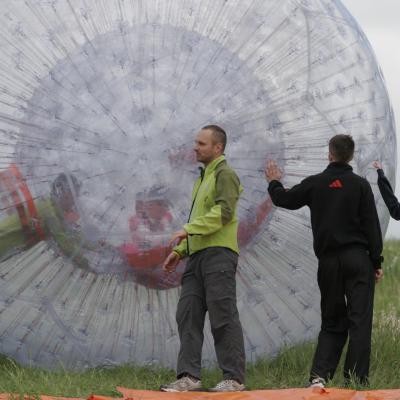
61,185
342,148
219,135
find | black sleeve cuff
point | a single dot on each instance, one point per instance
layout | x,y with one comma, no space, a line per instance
381,174
377,262
274,184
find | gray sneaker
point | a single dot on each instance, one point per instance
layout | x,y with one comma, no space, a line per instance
317,383
184,384
228,385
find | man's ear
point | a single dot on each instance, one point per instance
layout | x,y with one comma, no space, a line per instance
218,147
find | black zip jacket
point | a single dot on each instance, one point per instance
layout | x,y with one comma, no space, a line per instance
343,211
388,196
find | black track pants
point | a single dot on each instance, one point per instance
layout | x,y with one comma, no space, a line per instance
208,284
347,282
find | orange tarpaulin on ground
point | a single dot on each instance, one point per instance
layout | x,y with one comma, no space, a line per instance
283,394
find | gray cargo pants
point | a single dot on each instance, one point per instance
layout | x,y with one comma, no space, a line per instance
208,284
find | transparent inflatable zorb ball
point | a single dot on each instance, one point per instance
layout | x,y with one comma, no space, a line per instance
100,102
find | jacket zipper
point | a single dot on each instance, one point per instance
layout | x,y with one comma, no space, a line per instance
191,208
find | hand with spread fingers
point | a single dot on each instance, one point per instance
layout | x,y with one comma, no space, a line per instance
272,171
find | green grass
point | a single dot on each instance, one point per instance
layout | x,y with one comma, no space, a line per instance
289,369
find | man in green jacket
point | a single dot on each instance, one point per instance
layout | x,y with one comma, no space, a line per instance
209,239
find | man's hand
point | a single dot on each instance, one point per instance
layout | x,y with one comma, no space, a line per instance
272,172
171,262
377,165
378,274
177,237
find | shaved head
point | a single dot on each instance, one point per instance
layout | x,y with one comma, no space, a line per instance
218,134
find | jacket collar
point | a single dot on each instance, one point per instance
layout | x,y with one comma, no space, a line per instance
211,167
336,166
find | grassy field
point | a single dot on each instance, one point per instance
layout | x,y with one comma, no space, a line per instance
289,369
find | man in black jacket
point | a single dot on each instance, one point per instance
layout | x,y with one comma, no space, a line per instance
348,245
386,190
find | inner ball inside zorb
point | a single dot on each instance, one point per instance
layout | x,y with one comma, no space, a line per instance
100,104
117,120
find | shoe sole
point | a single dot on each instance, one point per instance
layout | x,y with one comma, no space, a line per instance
181,391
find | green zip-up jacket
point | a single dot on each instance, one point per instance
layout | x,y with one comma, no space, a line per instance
213,219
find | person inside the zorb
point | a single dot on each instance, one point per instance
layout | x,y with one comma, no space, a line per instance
152,223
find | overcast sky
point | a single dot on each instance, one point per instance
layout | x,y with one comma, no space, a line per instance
380,21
